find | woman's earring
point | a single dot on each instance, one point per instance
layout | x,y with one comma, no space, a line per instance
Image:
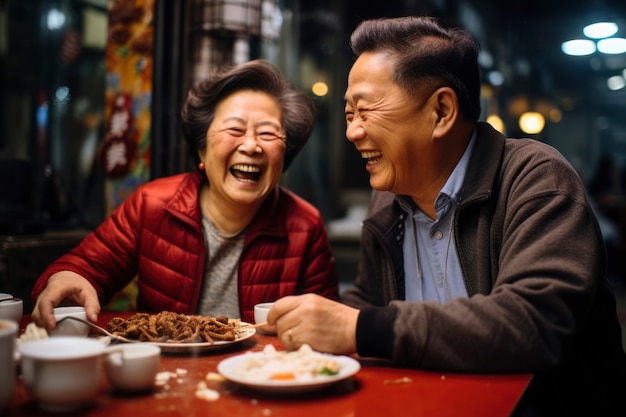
201,166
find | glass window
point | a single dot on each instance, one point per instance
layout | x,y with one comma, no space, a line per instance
52,73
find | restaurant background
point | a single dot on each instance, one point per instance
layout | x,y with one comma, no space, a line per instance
90,95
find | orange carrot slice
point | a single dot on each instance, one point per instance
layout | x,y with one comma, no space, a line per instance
283,376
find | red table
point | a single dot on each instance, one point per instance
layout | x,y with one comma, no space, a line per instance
378,389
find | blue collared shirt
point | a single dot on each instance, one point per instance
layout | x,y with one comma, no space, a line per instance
431,265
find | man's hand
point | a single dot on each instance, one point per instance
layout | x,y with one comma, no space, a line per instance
324,324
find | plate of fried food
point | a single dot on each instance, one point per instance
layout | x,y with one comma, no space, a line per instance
181,333
287,371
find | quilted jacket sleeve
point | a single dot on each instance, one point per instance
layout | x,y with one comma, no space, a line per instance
107,257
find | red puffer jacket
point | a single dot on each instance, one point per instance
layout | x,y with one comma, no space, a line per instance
156,234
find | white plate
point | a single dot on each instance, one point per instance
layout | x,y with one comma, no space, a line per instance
348,368
242,334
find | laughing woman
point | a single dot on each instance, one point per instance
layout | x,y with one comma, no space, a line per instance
219,239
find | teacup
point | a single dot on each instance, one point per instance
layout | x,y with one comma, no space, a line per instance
11,308
260,316
8,335
70,327
133,366
62,374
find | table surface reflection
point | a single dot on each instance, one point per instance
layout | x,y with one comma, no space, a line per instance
377,389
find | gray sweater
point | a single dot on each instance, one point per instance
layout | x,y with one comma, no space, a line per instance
533,262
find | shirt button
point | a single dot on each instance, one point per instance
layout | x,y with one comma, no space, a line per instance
438,235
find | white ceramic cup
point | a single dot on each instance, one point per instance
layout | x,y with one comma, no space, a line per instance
70,327
260,316
132,366
11,308
62,374
8,335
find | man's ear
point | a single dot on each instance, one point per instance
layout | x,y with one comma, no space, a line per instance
447,107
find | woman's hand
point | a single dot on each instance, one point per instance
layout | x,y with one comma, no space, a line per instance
324,324
68,288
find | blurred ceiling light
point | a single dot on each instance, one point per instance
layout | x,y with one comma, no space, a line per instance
531,122
485,59
555,115
612,46
486,91
578,47
495,121
62,93
495,78
600,30
320,89
55,19
616,82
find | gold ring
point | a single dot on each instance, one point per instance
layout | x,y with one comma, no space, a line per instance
290,335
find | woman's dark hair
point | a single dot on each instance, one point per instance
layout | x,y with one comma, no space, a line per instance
297,109
425,53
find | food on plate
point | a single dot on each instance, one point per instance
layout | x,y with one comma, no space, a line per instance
303,364
170,327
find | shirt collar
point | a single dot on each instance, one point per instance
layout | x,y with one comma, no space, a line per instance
451,191
454,186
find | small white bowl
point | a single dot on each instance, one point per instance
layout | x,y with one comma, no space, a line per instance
12,308
260,316
62,374
133,366
70,327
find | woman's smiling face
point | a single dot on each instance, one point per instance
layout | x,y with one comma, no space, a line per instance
245,148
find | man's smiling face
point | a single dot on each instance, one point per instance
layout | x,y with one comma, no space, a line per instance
391,131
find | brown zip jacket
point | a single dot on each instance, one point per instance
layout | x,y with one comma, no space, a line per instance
533,261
